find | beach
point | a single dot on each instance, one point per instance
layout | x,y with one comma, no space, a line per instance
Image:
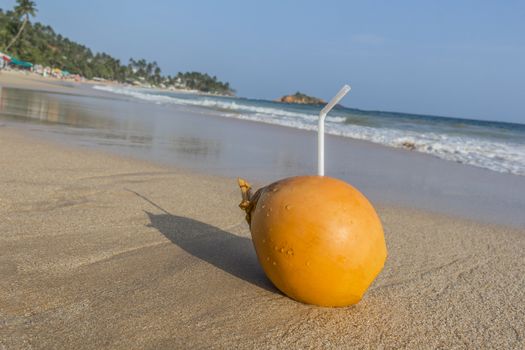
111,246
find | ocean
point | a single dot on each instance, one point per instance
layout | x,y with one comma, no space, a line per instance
497,146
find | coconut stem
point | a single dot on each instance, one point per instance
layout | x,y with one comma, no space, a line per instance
248,200
245,192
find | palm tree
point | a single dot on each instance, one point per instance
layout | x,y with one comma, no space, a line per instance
25,8
157,76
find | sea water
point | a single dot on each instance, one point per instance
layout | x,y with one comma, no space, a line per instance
497,146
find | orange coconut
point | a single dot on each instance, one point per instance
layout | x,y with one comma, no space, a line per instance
318,239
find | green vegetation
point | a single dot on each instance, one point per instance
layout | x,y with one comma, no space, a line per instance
24,9
201,82
300,96
39,44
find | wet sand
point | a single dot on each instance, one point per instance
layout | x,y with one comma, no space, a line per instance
201,140
99,251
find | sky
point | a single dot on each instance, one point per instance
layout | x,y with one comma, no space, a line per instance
462,59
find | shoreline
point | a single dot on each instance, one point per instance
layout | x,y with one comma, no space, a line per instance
131,254
255,183
206,143
14,76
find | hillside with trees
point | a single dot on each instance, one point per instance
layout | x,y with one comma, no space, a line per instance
40,44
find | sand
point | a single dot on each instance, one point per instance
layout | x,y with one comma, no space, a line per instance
21,79
99,251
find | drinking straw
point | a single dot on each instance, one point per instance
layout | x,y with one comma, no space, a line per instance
320,131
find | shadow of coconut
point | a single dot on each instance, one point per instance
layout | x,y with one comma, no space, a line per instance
224,250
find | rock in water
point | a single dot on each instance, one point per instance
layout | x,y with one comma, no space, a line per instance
301,99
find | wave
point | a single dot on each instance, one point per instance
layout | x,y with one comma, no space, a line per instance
211,103
496,155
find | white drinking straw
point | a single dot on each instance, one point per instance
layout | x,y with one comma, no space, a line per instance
320,131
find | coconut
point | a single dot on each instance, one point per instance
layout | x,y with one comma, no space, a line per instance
318,239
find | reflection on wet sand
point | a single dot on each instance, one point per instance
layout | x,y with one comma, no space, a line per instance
46,107
195,146
106,122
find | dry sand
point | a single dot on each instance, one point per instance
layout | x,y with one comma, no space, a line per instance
27,80
98,251
24,80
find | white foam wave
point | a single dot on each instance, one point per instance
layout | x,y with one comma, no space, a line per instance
210,103
498,156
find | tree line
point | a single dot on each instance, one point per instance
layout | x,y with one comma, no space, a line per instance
40,44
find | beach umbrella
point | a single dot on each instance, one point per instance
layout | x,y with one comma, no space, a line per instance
20,63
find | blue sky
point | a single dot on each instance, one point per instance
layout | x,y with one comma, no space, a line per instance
453,58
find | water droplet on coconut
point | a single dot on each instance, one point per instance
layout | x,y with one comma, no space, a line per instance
287,207
281,250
